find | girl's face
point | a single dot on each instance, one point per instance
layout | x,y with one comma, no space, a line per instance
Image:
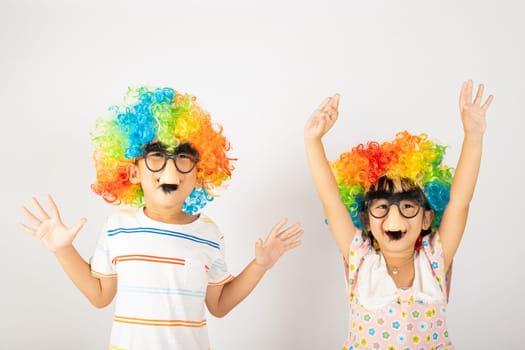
397,218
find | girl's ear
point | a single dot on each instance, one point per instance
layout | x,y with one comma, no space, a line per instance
427,219
134,175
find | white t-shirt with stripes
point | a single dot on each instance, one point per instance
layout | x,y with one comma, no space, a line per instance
163,272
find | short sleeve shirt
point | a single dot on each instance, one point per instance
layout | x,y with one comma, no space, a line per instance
163,272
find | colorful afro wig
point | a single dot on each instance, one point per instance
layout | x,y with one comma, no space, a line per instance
410,157
161,115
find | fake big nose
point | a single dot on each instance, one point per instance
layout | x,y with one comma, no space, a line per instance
170,174
393,220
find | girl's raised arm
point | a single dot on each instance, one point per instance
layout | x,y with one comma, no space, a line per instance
319,123
474,124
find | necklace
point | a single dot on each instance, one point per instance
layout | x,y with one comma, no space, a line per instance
395,269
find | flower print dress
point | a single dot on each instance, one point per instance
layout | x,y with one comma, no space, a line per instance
386,317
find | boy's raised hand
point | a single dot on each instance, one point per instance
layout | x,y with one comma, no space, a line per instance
278,242
323,118
50,229
473,112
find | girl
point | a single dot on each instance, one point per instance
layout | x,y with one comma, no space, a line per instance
397,216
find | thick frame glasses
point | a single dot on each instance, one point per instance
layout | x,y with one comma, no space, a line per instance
157,160
408,208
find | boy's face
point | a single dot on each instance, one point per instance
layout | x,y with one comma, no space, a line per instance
396,220
167,179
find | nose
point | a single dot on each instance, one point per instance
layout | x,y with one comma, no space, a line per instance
170,174
393,220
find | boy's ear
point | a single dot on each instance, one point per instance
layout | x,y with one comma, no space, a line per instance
199,183
134,175
427,219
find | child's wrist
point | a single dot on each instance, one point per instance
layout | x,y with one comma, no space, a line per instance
262,268
312,139
63,251
473,138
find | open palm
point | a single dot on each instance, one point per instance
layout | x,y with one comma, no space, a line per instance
278,242
50,229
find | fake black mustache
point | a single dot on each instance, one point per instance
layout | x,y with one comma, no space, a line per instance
394,235
168,188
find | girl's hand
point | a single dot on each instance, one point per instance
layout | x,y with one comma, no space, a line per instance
473,112
322,119
50,230
276,244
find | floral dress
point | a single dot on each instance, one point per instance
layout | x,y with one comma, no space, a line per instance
386,317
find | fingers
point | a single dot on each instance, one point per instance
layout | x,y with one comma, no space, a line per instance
290,237
479,98
38,233
277,227
324,103
468,91
330,103
41,217
335,101
258,246
292,245
288,234
36,221
464,96
75,229
277,243
291,232
54,208
487,103
479,94
27,229
43,214
323,118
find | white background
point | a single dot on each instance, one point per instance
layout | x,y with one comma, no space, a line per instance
260,68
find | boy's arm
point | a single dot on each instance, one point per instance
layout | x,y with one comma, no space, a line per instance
474,124
340,222
58,239
99,291
223,298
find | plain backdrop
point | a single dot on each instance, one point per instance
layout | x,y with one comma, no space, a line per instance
260,68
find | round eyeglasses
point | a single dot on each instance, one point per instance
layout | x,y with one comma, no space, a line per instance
379,208
157,160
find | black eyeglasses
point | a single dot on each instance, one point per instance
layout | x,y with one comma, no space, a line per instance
408,208
157,160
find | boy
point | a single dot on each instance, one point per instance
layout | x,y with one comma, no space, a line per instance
163,261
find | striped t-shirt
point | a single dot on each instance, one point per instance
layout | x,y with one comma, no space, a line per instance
163,271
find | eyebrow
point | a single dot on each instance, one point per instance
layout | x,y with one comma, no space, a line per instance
159,147
154,147
186,148
412,194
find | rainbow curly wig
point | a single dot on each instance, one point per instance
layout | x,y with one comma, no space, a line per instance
166,116
410,157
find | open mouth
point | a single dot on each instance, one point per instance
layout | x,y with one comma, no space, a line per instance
395,235
168,188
